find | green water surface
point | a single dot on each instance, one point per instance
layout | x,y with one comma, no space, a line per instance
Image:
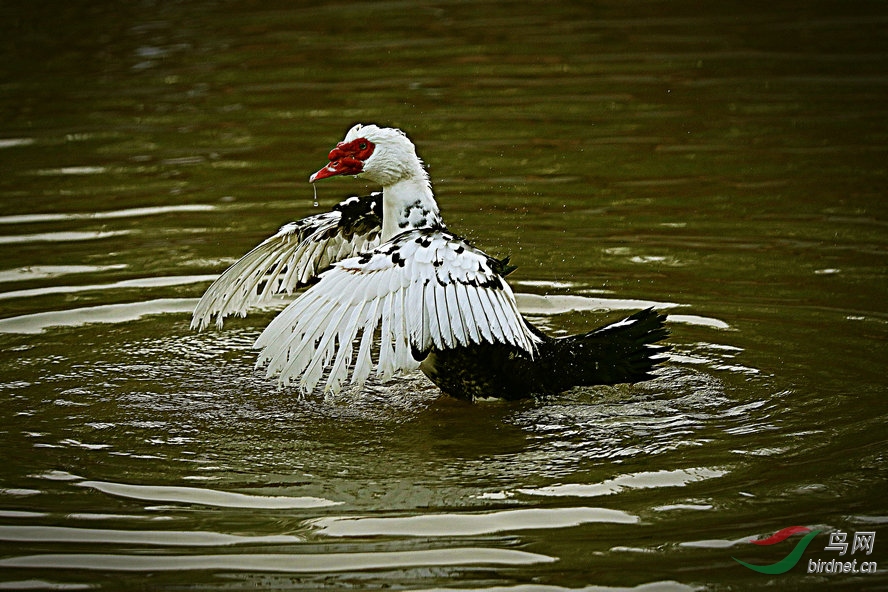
724,161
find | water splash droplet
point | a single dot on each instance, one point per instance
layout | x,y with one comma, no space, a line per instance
315,187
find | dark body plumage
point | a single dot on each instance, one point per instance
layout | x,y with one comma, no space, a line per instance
613,354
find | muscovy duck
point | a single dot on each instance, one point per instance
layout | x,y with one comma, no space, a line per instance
384,269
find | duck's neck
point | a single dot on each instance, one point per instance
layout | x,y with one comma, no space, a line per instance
408,204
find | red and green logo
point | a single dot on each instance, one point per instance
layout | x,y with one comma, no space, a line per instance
788,562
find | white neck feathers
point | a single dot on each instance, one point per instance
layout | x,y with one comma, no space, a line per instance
409,204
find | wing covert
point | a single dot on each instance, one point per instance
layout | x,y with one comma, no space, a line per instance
292,258
423,289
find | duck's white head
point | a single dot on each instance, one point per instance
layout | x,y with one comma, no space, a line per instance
382,155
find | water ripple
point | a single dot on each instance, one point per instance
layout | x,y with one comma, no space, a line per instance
432,525
127,213
41,272
42,585
58,237
151,282
554,304
64,534
206,497
107,313
282,562
13,142
642,480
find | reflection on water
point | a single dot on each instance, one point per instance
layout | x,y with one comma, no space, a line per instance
463,524
61,534
128,213
643,480
109,313
39,272
284,562
209,497
722,163
60,237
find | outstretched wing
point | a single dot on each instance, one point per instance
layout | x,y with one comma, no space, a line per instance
292,258
425,288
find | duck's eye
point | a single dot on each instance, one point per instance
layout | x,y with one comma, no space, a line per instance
362,145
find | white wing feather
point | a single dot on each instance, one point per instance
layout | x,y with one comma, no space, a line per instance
282,263
421,290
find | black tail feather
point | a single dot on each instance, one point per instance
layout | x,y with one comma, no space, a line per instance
624,351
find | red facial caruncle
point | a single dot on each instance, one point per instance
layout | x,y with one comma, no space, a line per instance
346,159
